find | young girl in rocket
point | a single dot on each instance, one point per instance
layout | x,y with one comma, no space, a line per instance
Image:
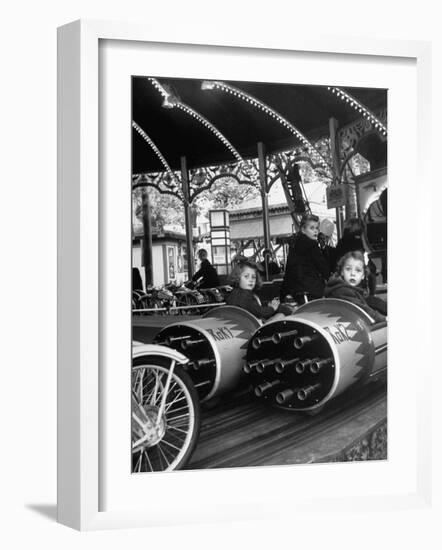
245,279
346,283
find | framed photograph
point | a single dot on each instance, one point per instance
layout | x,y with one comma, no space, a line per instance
109,138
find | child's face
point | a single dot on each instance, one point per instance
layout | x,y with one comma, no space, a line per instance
311,229
353,272
247,281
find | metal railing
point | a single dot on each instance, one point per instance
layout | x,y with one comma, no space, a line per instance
177,308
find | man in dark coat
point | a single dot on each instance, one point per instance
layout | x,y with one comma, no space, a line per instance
272,267
348,243
206,274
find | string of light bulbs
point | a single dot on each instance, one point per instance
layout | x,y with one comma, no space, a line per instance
210,85
358,106
170,101
155,149
184,107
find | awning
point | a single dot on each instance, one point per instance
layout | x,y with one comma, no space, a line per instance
176,133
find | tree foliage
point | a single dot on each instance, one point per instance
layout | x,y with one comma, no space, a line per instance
165,210
226,193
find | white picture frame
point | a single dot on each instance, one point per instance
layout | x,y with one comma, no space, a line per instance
81,295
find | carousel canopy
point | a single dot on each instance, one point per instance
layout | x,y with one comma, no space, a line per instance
176,132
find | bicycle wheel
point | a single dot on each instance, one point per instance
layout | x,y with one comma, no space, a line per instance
162,441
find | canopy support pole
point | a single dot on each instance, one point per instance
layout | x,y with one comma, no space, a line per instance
147,240
265,202
336,163
187,217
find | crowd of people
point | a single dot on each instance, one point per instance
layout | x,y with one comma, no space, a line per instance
314,270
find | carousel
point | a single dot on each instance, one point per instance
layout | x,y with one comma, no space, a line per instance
212,385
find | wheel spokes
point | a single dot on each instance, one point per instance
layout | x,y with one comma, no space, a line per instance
176,424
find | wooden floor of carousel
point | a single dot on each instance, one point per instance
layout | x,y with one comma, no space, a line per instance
239,430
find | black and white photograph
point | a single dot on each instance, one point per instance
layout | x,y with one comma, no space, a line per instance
259,274
198,193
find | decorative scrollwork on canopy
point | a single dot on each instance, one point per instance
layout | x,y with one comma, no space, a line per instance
350,135
161,181
279,166
200,179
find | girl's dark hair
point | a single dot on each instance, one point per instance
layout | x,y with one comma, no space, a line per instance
235,275
356,255
308,218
